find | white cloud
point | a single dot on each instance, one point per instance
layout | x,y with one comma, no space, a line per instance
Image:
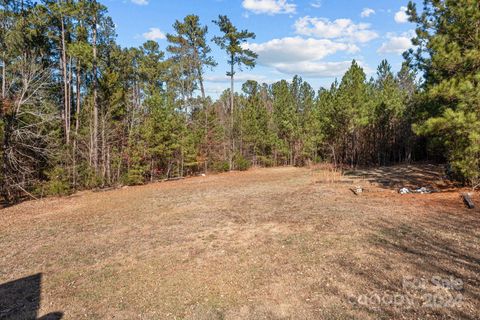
297,49
140,2
294,55
397,44
319,69
401,15
316,4
154,34
367,12
342,29
270,7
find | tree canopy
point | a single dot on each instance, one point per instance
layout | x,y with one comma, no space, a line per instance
79,111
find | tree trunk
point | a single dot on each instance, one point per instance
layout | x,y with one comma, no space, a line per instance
95,103
65,82
206,136
200,81
4,80
103,150
4,186
69,92
109,171
202,90
232,113
77,123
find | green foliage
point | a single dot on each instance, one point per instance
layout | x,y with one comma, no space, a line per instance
88,178
221,166
58,183
241,163
353,98
190,53
265,161
134,176
255,120
231,41
448,42
459,132
97,115
136,166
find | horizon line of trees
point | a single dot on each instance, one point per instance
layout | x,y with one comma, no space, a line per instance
77,111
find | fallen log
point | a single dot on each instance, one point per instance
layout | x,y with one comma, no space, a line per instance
173,179
467,199
104,189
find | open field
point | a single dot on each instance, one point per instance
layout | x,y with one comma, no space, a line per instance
283,243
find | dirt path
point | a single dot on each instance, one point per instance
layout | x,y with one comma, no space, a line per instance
282,243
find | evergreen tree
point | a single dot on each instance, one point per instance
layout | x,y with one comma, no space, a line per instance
255,127
388,112
231,41
285,117
448,42
189,47
354,111
98,115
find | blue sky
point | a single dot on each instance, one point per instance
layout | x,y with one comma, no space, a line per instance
316,39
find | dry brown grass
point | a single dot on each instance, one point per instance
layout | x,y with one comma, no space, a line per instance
283,243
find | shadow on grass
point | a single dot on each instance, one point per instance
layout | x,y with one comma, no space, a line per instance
410,176
20,299
4,204
433,252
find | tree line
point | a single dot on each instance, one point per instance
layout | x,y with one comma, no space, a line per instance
77,111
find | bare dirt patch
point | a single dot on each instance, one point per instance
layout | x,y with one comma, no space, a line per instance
283,243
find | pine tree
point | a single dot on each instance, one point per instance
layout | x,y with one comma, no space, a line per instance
255,119
189,46
388,112
448,54
130,116
231,41
285,117
354,111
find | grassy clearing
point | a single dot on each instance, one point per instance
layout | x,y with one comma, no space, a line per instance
283,243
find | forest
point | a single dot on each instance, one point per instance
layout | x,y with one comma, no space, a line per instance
78,111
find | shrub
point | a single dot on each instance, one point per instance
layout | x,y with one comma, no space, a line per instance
58,183
134,176
221,166
241,163
265,161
